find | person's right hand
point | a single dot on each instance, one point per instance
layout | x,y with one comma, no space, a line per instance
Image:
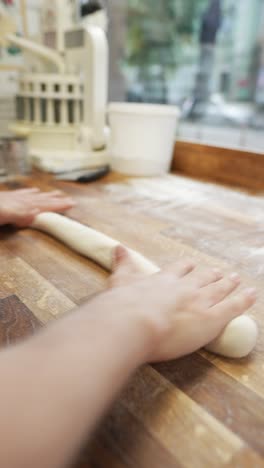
181,309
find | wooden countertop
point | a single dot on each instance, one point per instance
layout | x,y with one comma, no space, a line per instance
200,411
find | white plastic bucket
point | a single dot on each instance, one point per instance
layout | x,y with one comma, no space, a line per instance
142,137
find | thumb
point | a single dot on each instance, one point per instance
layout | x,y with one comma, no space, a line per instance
125,269
122,261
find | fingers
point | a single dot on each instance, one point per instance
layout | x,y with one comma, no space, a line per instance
21,206
26,191
60,208
55,193
218,291
26,216
48,195
36,194
203,277
182,267
53,203
45,201
233,306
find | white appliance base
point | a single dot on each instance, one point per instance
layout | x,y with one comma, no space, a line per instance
63,161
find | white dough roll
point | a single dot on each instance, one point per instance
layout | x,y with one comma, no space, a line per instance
86,241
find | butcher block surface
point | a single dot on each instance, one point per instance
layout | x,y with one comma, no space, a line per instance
200,411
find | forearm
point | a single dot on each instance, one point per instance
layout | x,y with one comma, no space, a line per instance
64,379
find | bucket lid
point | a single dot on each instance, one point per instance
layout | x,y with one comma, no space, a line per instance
139,109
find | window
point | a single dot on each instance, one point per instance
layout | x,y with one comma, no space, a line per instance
207,56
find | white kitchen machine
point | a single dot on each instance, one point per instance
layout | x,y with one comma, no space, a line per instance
62,95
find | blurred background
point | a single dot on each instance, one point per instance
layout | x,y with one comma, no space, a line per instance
207,56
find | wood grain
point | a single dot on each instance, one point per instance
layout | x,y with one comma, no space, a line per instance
16,321
244,459
199,411
236,406
122,441
76,277
175,419
33,290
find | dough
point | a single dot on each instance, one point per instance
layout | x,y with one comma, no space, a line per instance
87,241
236,341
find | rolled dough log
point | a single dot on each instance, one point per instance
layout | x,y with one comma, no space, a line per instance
236,341
86,241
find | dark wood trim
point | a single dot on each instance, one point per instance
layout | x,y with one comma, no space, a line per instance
229,166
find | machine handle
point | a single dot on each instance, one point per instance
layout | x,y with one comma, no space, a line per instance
96,85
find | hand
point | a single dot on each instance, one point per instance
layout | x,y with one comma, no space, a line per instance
182,309
19,207
124,269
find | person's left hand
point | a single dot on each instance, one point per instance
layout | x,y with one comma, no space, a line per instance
19,207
